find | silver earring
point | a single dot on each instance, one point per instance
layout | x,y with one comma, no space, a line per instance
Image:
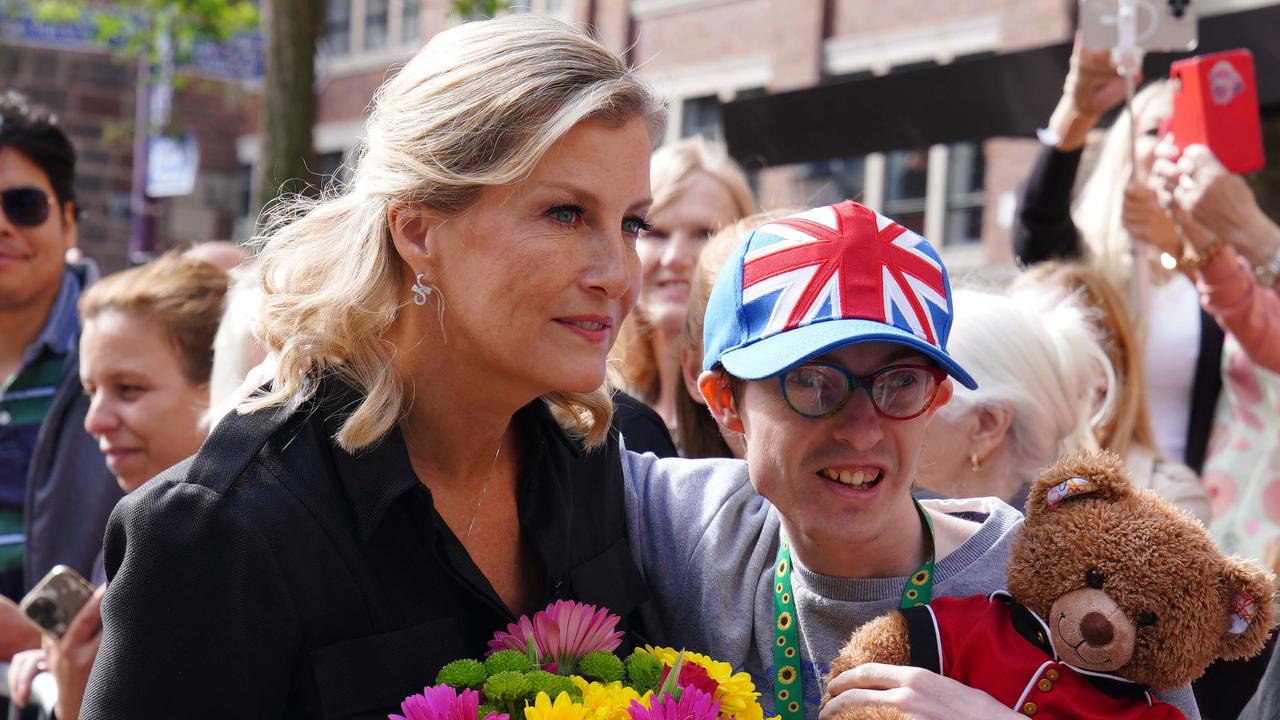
420,290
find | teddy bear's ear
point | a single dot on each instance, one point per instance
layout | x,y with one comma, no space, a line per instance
1251,609
1097,475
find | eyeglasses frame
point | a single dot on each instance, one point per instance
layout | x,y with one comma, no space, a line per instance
865,382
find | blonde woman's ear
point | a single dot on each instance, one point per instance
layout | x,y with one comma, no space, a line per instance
412,234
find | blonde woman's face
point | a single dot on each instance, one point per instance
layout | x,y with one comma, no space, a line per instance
143,411
669,251
537,277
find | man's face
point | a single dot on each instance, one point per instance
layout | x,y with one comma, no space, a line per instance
32,258
842,478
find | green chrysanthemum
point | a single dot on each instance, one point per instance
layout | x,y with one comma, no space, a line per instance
507,661
461,674
551,684
600,666
644,671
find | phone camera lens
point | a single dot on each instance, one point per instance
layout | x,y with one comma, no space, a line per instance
44,612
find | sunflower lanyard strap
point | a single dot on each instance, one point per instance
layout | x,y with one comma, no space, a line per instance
788,686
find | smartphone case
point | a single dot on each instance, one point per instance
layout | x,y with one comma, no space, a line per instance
1215,103
53,603
1161,25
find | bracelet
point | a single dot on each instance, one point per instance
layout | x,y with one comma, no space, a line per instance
1267,274
1195,260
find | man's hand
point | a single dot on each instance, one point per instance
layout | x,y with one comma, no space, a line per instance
71,658
919,693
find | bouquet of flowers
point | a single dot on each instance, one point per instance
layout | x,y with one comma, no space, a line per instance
561,666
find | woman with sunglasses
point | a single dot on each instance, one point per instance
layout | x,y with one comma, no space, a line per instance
826,347
55,490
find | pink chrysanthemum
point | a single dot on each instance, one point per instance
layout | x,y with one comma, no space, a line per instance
692,705
562,634
443,703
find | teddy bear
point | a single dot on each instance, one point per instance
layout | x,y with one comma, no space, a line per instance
1112,591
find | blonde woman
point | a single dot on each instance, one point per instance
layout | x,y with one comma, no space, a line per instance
416,474
1126,428
1116,220
697,189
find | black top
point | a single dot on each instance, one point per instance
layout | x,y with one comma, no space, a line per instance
641,426
277,576
1043,230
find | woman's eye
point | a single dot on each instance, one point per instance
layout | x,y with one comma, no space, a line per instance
635,226
565,214
130,391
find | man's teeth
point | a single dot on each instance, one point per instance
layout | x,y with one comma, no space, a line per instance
858,479
590,325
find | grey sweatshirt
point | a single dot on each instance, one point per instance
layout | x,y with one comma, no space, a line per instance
706,543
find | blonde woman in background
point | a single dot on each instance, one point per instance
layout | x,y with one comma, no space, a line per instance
416,475
1116,220
697,189
1036,372
1126,428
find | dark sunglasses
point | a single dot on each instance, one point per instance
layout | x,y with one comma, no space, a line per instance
25,206
898,392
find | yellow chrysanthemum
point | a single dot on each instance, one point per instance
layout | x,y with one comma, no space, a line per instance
736,692
609,702
562,709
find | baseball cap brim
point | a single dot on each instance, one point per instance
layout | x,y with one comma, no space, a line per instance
778,353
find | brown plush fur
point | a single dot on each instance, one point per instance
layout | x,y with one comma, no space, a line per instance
1154,558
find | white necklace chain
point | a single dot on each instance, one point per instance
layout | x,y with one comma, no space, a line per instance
480,501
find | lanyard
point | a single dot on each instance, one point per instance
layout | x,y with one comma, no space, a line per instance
788,686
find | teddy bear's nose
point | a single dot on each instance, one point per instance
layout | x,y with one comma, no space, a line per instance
1096,629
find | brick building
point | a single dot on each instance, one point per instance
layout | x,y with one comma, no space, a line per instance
728,68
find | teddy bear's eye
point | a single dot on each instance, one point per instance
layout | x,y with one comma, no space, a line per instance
1146,619
1093,579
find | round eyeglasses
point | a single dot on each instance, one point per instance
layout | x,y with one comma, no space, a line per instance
898,392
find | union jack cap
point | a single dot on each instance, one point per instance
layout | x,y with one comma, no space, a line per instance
829,277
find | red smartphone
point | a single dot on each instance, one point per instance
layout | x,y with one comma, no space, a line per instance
1215,104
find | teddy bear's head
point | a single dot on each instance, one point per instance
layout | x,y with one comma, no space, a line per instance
1129,584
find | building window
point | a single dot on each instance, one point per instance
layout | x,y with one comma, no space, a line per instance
337,26
906,187
701,116
966,178
330,172
376,17
409,22
828,182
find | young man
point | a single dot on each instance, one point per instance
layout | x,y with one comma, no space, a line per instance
55,489
825,346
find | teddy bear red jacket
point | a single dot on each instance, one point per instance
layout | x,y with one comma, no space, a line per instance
1000,647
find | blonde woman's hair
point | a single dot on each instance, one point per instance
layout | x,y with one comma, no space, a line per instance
1039,362
698,432
672,169
1047,283
1098,212
181,296
478,106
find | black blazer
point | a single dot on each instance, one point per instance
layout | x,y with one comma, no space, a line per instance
275,575
1043,230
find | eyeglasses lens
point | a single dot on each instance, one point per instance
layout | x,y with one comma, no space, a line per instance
25,207
815,390
902,392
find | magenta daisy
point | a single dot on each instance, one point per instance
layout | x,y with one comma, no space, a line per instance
692,705
567,630
443,703
517,637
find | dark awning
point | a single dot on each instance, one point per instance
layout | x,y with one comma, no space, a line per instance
1008,95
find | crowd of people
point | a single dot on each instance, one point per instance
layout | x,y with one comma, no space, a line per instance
522,356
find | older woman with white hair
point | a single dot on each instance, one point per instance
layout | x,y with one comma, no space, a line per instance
1038,374
417,474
